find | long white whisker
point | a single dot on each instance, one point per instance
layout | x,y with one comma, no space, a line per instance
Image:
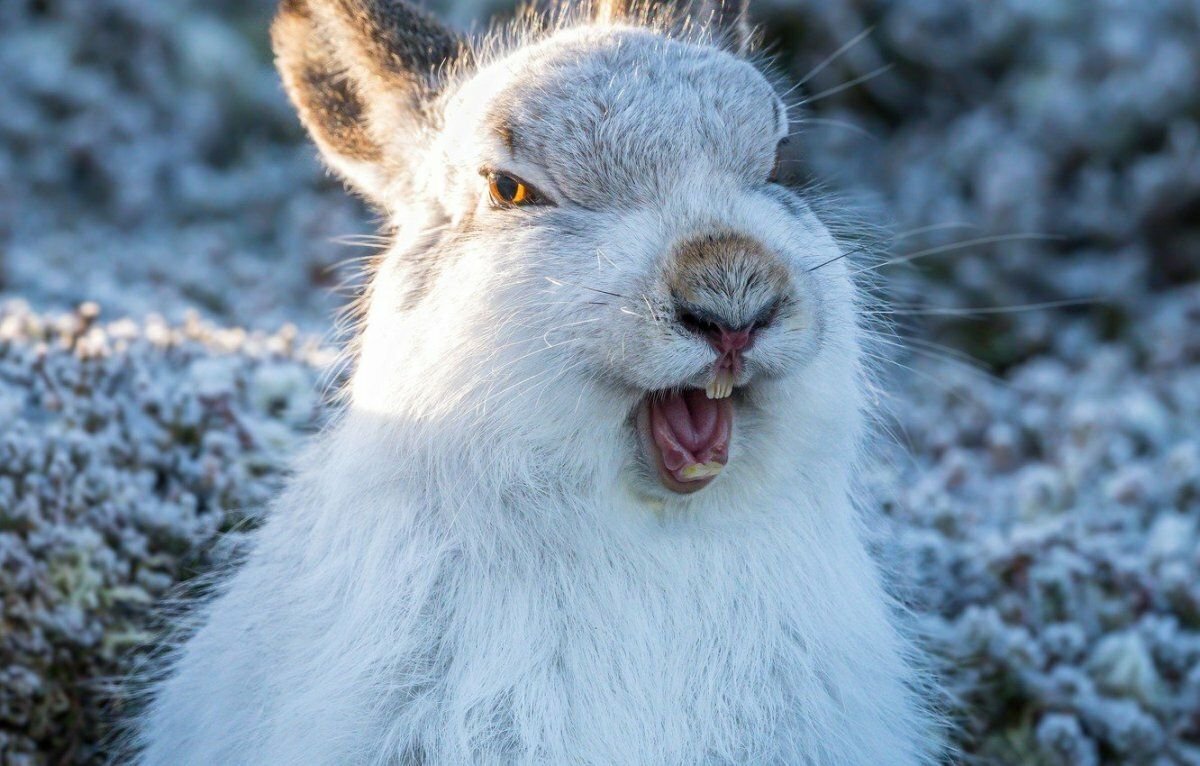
849,84
824,121
955,246
933,227
941,384
820,67
970,311
853,41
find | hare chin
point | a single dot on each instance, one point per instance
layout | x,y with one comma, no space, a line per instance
684,434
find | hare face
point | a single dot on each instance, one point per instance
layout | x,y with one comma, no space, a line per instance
591,231
651,250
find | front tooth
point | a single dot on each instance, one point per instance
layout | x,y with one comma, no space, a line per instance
701,470
720,386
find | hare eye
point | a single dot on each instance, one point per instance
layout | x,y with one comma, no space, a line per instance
508,191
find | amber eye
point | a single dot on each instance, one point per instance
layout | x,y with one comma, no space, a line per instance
507,191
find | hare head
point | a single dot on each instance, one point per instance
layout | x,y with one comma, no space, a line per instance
594,262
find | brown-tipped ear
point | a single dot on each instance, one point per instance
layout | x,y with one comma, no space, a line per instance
361,73
316,80
726,21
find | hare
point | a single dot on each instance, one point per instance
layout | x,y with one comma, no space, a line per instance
590,496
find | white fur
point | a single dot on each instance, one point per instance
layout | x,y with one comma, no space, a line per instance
473,567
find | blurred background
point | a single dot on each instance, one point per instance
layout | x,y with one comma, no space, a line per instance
172,258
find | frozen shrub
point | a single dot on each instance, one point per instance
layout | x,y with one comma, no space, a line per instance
1070,634
1069,119
151,163
1062,741
120,465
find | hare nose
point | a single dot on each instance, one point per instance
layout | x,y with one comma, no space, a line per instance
726,287
729,341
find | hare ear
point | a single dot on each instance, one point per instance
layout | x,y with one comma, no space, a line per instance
363,74
725,20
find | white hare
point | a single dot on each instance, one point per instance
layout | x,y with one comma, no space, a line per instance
590,498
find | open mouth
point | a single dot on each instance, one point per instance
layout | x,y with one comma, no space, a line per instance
685,434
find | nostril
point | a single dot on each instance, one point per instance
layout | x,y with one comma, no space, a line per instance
697,322
729,339
715,329
767,316
733,340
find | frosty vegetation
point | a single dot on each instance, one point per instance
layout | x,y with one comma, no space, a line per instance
165,229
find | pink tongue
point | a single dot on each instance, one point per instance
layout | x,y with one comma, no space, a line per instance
691,428
692,418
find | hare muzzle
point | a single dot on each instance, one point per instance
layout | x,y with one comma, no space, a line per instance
726,289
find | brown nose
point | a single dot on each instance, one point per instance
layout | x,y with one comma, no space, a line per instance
726,285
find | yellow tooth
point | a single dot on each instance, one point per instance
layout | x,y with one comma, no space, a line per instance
700,471
720,386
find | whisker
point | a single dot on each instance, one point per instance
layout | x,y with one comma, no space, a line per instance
956,246
493,393
559,374
849,84
834,56
534,352
846,254
933,227
560,283
650,308
839,124
941,384
947,353
944,354
600,254
986,310
957,360
360,240
546,335
348,261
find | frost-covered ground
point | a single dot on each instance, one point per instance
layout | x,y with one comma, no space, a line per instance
132,457
1047,526
1043,522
